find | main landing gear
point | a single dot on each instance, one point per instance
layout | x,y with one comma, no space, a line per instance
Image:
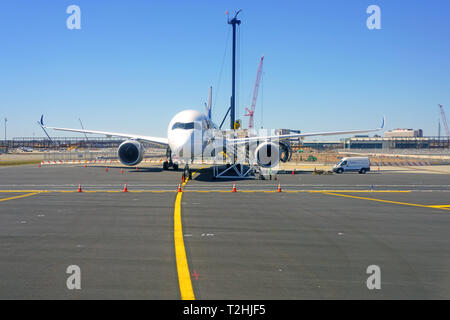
170,163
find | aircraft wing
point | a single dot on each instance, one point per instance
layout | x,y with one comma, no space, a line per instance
300,135
162,141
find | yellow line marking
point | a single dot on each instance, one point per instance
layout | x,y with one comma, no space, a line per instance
84,191
424,169
299,191
387,201
18,197
202,191
364,191
21,191
184,277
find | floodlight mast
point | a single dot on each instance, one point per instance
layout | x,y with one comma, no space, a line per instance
234,22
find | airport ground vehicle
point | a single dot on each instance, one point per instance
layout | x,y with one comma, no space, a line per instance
353,164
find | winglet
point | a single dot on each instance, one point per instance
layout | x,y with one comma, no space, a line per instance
41,123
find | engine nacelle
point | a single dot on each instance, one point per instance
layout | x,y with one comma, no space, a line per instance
267,154
130,152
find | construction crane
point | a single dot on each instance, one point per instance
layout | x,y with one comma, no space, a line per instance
444,120
251,111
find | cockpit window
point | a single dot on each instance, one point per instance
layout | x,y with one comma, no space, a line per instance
185,126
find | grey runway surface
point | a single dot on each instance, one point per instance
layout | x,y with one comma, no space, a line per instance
244,245
314,246
123,244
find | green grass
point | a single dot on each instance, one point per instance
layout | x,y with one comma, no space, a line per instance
18,162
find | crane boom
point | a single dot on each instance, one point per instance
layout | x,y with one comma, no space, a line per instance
444,120
251,111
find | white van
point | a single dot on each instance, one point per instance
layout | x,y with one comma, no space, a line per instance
359,164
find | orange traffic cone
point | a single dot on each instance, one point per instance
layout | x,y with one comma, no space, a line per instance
85,165
125,188
183,178
179,188
121,171
79,188
293,172
234,187
279,187
106,169
137,168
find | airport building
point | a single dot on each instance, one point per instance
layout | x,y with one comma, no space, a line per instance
404,133
398,139
397,143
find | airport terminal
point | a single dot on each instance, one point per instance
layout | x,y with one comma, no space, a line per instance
224,212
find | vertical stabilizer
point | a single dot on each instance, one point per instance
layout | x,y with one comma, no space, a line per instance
208,107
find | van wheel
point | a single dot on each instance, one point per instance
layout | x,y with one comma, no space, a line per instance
362,171
340,170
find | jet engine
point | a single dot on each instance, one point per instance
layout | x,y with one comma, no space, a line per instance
267,154
130,152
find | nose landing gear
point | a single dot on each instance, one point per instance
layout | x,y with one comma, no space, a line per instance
187,172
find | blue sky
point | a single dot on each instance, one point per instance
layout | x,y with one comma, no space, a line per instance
134,64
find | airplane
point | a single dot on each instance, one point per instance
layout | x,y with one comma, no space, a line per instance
192,133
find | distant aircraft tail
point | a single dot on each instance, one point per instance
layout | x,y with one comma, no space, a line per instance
41,123
208,107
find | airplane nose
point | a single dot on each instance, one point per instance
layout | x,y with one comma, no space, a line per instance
181,145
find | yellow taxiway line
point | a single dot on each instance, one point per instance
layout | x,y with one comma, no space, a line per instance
21,196
184,276
441,207
205,191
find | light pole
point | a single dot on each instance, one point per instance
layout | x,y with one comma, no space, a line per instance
234,22
6,120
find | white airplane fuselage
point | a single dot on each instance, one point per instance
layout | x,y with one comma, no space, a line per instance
189,132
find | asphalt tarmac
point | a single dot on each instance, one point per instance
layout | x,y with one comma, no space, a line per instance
314,240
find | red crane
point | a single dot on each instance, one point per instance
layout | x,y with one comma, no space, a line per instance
251,111
444,120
